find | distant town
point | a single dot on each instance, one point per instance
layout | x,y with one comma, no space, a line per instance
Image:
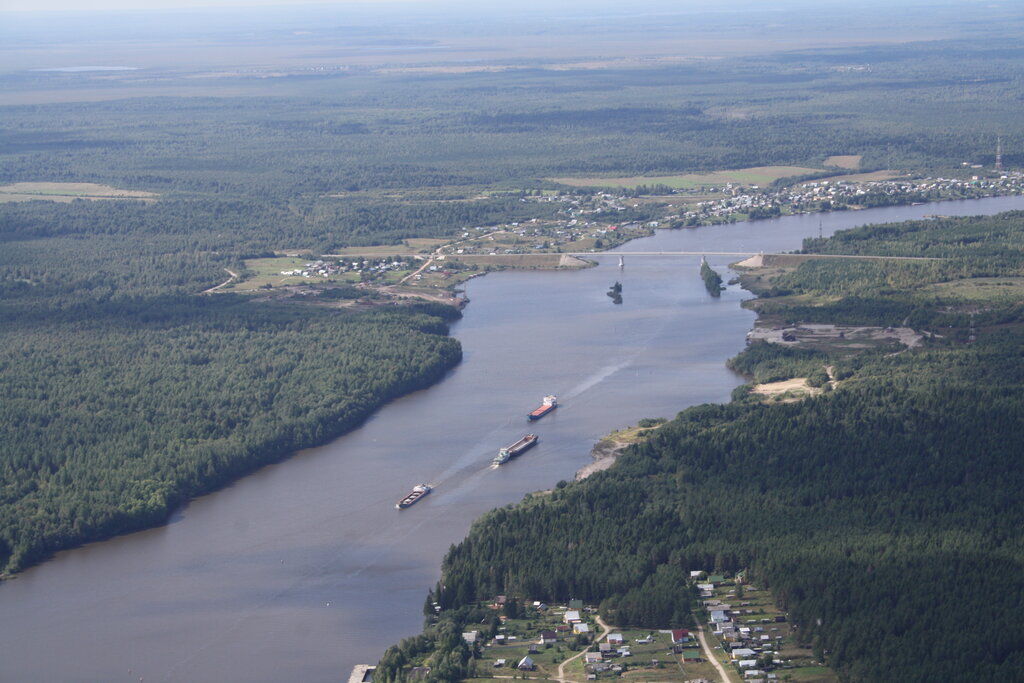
595,221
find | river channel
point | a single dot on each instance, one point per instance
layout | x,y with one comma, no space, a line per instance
305,568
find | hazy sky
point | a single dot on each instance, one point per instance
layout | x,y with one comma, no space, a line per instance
92,5
88,5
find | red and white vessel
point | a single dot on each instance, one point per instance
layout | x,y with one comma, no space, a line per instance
550,403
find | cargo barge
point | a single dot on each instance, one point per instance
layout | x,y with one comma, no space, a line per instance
508,452
417,492
549,404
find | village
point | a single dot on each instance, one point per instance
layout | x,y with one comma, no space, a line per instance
742,636
588,222
838,194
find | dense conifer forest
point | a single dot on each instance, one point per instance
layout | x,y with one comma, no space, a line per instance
114,414
126,393
883,513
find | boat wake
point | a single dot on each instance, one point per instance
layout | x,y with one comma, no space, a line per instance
599,376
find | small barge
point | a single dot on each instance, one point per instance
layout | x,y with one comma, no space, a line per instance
519,447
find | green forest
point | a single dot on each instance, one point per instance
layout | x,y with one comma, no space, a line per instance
126,392
114,414
884,514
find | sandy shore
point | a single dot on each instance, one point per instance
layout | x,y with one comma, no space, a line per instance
604,453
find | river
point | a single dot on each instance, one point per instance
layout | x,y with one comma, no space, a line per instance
305,568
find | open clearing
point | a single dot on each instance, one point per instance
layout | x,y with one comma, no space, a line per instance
415,245
267,271
834,337
787,390
980,289
66,192
851,161
758,175
863,177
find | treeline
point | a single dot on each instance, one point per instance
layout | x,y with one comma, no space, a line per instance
988,244
883,515
115,413
245,228
712,280
901,292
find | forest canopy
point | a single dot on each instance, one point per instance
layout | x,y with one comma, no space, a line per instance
879,513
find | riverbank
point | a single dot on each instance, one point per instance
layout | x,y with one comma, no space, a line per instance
786,493
265,555
223,412
606,451
436,271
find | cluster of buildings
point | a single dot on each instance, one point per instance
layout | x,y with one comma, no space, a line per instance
751,641
331,268
831,194
589,215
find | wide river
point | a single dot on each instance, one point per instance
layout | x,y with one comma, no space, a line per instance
305,568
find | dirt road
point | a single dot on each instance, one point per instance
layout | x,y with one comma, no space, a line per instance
605,630
710,656
233,275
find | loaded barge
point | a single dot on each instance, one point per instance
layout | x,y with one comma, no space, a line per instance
417,492
549,404
508,452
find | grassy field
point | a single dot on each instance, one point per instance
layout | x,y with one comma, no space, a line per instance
418,246
266,273
864,177
758,175
979,289
66,192
851,161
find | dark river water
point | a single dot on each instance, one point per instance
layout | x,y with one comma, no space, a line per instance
305,568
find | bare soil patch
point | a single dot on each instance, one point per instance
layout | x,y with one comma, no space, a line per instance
835,335
787,390
757,175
